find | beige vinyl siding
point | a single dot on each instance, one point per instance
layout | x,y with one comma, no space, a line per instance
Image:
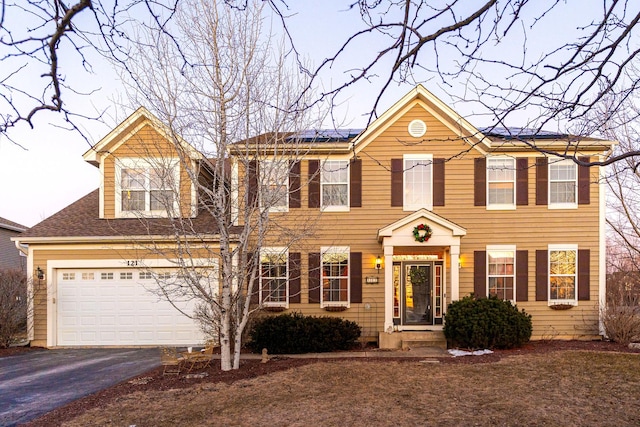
529,227
146,143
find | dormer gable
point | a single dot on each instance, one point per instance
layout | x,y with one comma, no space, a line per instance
144,168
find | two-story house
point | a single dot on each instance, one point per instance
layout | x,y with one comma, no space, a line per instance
10,257
416,211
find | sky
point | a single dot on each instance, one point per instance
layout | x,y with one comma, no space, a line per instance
42,169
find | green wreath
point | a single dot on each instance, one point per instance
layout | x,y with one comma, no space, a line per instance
422,232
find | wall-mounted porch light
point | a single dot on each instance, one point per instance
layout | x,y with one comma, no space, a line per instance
39,273
378,263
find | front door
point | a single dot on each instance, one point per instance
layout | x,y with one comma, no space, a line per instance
416,290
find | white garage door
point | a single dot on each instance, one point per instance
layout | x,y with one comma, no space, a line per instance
116,307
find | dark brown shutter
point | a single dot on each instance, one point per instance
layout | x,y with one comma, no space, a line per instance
355,188
584,182
396,182
314,277
355,265
314,183
294,277
480,182
480,274
584,276
542,268
542,185
522,276
438,182
252,177
522,182
294,185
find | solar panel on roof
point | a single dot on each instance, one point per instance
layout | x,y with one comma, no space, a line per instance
325,135
517,132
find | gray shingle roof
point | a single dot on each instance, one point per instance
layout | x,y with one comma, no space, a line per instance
81,219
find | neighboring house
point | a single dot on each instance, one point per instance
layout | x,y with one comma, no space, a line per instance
418,210
10,257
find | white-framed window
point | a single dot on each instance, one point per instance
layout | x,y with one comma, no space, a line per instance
563,184
126,275
334,277
501,272
68,276
274,276
334,185
88,275
106,276
501,183
563,274
147,187
417,181
274,181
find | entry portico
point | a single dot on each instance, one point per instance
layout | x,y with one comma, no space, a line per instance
415,270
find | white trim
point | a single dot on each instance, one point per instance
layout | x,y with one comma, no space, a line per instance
429,163
52,283
336,250
275,250
502,248
101,192
147,163
550,204
602,246
562,247
501,206
335,208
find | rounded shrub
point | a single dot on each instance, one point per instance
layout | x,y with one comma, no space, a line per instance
294,333
486,323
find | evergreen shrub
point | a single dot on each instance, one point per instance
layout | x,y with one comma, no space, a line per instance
294,333
486,323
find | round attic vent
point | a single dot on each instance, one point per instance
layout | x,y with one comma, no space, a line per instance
417,128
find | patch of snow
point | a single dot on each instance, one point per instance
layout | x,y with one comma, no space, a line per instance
456,352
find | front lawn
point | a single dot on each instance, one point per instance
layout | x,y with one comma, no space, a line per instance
557,388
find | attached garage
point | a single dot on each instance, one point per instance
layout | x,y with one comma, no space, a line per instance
118,307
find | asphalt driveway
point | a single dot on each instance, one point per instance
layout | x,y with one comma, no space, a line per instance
37,382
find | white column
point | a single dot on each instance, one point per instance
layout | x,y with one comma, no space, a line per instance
454,294
388,288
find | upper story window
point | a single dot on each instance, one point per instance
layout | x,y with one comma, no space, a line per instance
563,184
335,276
501,272
418,181
563,274
274,276
274,182
334,185
146,187
501,183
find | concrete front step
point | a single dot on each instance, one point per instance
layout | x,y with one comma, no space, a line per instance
405,340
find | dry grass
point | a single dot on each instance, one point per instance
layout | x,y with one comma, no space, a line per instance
557,389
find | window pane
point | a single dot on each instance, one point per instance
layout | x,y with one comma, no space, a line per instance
501,181
335,277
562,192
133,200
335,183
274,181
133,179
161,200
273,276
417,182
501,273
562,287
562,262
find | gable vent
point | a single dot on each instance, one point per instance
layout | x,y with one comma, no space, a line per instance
417,128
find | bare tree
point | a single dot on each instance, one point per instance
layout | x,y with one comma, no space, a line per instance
240,88
498,58
18,298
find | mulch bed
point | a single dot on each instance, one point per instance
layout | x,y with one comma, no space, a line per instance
154,380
